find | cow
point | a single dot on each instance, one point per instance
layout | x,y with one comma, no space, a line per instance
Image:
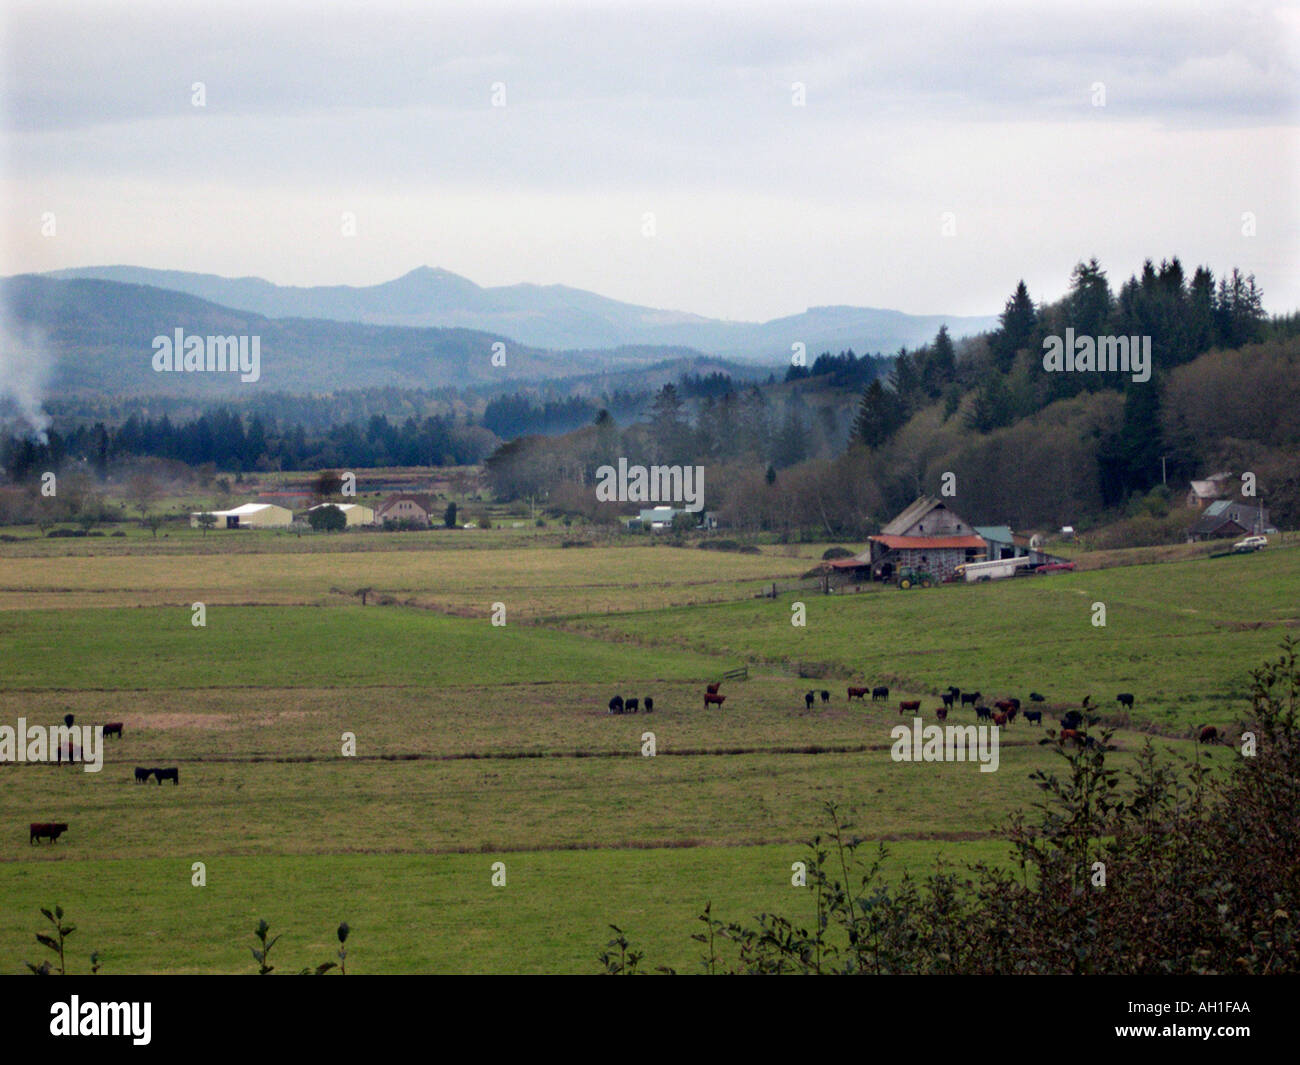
1000,719
942,713
1035,697
142,775
616,705
714,698
970,699
808,699
826,696
174,775
1072,719
948,699
1011,714
649,704
68,719
51,830
113,728
712,689
1004,705
1209,734
1075,736
1015,703
983,713
1034,717
1125,699
880,692
860,693
909,704
631,706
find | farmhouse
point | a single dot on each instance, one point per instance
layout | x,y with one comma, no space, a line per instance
405,506
1202,493
247,516
355,513
927,537
1230,517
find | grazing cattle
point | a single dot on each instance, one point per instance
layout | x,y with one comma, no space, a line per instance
948,699
954,689
808,699
712,689
1000,719
1072,720
942,713
1034,717
113,728
826,696
1209,734
970,698
909,704
631,706
1004,705
860,693
649,704
1011,715
1015,703
616,705
983,713
1035,697
142,775
714,698
174,775
880,692
1125,700
50,830
68,719
1074,736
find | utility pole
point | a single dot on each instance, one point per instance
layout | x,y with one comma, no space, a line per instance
1163,482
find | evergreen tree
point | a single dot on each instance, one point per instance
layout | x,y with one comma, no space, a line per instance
1016,327
878,416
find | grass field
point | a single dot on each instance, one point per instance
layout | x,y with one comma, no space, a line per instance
477,743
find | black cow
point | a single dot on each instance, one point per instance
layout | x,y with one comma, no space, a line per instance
1125,699
983,713
1035,697
826,696
808,699
631,706
68,719
948,699
1072,720
879,693
113,728
142,775
649,704
1034,717
616,705
50,830
174,775
970,699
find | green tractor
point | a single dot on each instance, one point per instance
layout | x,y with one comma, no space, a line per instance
909,578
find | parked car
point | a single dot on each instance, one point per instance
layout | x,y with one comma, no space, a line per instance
1251,543
1055,567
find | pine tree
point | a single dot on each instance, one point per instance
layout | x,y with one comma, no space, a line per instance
1016,328
878,416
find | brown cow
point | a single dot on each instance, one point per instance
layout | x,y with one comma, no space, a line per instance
1073,734
942,713
860,693
714,698
1000,719
712,689
1004,705
51,830
1209,734
113,728
910,704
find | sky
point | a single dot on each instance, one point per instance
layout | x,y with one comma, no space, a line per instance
742,161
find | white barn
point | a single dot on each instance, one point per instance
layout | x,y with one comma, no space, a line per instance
354,512
247,516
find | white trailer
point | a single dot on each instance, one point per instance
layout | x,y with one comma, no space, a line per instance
994,570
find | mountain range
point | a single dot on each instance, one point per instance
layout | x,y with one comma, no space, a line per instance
550,317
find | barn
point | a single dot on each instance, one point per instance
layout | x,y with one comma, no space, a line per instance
355,513
927,536
1230,518
248,516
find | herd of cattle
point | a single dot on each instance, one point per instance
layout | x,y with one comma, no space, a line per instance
52,830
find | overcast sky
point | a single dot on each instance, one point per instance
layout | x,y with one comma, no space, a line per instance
760,207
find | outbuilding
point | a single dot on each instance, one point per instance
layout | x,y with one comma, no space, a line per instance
247,516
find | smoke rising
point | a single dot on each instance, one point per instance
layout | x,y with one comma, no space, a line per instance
25,368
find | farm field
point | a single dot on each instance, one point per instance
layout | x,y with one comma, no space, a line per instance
477,743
